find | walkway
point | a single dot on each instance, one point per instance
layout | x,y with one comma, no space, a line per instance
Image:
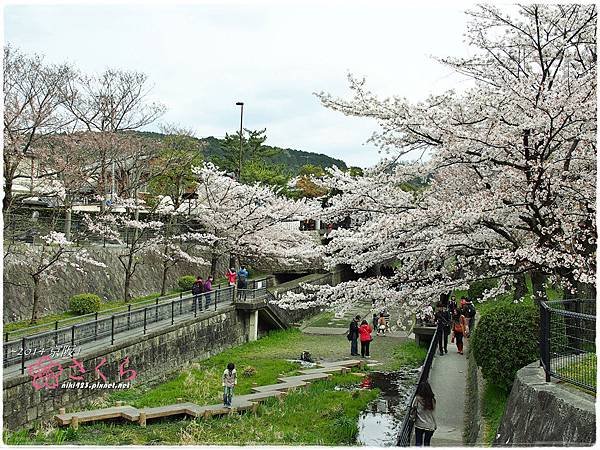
15,369
240,402
448,379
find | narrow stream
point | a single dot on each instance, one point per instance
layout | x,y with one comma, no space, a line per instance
379,424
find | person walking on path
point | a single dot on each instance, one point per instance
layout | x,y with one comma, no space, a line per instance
208,289
459,329
381,324
470,312
197,289
231,276
452,305
353,336
443,321
422,410
229,382
365,338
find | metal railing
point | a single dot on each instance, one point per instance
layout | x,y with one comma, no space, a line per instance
568,341
29,347
55,325
407,423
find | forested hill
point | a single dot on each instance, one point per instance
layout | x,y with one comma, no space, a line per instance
291,160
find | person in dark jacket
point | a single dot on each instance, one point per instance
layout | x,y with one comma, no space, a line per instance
443,322
353,335
470,312
197,290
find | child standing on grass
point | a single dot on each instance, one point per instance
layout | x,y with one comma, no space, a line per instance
229,381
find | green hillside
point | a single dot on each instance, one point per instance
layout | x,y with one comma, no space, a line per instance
292,160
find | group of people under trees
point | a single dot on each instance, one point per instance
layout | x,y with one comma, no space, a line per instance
204,288
361,330
454,321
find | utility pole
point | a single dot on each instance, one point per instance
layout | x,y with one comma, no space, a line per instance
239,177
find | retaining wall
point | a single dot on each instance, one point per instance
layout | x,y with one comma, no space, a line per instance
152,356
543,414
107,282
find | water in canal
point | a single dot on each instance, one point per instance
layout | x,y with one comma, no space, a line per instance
379,424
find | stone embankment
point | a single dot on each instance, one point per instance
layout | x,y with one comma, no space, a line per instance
546,414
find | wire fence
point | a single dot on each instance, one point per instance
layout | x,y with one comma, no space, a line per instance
568,341
407,422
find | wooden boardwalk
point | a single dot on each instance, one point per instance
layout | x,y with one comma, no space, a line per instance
248,402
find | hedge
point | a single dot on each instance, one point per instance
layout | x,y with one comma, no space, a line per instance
85,303
186,282
505,340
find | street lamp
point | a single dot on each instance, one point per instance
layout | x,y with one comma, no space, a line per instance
241,104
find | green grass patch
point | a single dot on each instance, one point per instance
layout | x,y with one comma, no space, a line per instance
583,370
332,414
494,403
407,355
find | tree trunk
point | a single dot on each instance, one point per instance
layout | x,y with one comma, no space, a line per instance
36,298
126,286
538,280
68,223
163,286
7,200
520,286
213,264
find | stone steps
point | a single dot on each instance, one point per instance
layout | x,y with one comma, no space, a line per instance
248,402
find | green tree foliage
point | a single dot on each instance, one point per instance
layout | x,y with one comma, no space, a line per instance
504,340
85,303
253,154
173,167
477,288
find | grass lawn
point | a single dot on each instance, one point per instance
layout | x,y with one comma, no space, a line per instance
494,403
582,370
332,414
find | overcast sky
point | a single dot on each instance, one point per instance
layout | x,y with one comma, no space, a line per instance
203,57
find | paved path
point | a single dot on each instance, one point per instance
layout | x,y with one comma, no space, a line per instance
448,379
15,369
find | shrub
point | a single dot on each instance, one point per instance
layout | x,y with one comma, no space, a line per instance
85,303
504,340
477,288
186,282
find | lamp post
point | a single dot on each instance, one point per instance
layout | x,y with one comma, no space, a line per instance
241,104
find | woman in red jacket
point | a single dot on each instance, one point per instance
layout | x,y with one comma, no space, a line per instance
364,331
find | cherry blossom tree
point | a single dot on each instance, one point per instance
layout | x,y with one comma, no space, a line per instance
507,167
248,220
33,109
42,262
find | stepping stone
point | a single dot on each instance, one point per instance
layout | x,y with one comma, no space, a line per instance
335,369
165,411
346,363
312,377
261,396
127,412
280,386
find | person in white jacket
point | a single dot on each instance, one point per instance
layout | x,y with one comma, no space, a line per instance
229,381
